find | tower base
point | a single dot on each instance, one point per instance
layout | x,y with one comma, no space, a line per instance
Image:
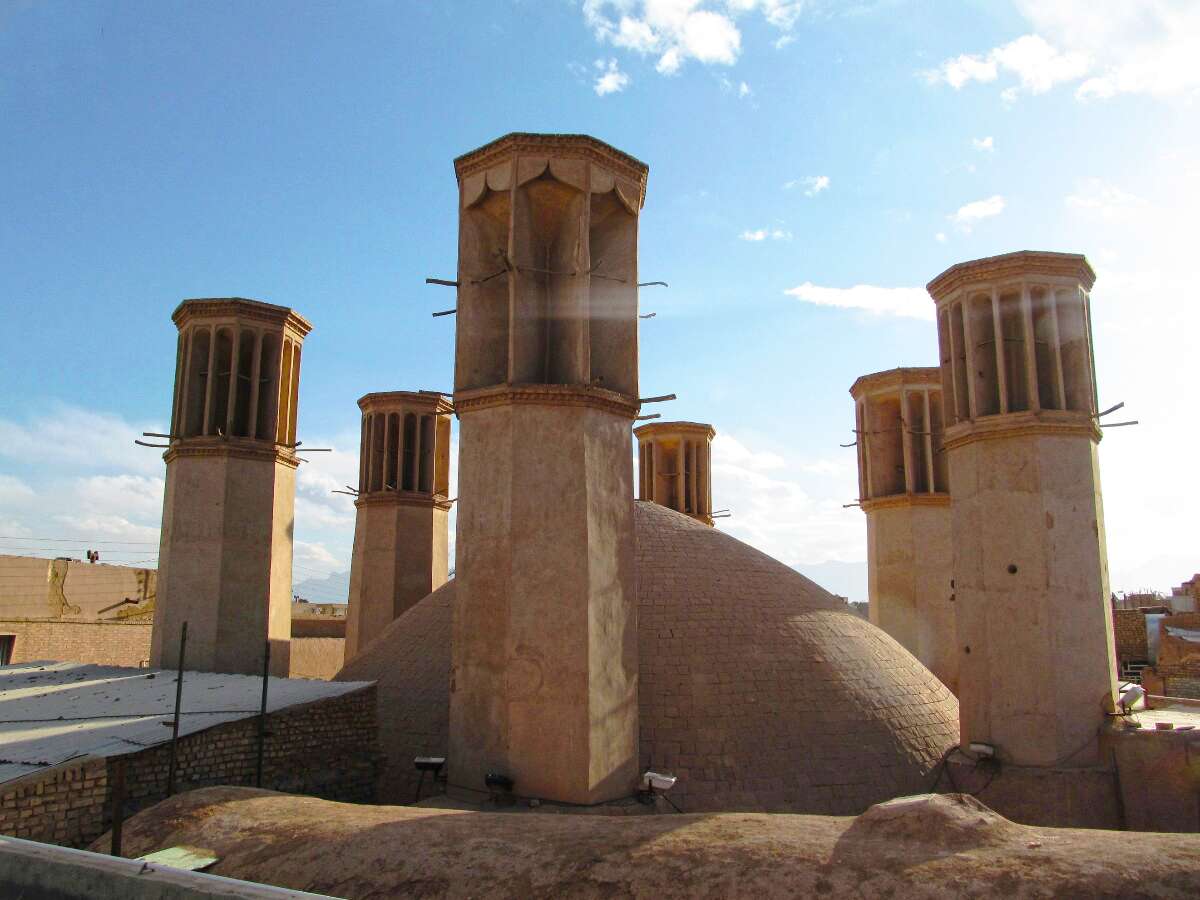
910,568
1037,662
400,557
544,668
226,558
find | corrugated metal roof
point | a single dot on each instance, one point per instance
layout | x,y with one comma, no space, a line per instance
51,712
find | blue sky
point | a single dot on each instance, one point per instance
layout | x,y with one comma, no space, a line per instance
300,153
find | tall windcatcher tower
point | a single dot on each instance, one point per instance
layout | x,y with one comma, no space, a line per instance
544,666
674,465
902,488
1036,670
225,563
400,530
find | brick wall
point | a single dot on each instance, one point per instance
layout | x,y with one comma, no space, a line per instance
62,805
328,748
1129,627
102,643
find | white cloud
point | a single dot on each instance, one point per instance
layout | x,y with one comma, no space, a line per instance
969,214
611,79
676,31
984,144
812,184
1106,47
744,90
906,302
1037,65
790,508
764,234
940,237
14,491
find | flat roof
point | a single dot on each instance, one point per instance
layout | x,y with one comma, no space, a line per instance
51,712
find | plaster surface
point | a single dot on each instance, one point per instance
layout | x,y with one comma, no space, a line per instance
909,569
544,677
400,556
226,561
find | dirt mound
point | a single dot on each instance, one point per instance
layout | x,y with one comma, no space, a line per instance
392,851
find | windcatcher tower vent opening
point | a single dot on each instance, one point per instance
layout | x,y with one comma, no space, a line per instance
544,669
675,467
225,563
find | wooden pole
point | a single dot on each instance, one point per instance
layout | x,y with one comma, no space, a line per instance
118,803
262,713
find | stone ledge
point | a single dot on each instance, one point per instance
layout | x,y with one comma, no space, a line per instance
546,395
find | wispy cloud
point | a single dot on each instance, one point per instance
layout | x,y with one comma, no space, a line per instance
676,31
984,144
765,234
611,79
1107,201
812,184
913,303
970,214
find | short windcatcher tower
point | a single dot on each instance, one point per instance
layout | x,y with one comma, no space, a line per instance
674,465
400,530
225,563
902,485
544,660
1036,664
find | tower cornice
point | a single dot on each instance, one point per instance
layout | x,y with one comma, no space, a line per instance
240,309
1020,265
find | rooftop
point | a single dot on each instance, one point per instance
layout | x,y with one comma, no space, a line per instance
51,712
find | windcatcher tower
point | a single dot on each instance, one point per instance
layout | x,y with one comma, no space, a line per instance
1036,670
674,465
902,486
400,543
225,564
544,665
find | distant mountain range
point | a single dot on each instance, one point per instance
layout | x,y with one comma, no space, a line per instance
333,588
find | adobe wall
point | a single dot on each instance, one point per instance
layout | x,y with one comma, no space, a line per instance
1129,629
318,627
317,657
102,643
1150,782
328,748
37,588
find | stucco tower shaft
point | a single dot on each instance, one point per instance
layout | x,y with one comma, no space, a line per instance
902,484
675,467
544,660
225,563
400,530
1036,670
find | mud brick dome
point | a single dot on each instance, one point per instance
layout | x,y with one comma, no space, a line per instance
756,687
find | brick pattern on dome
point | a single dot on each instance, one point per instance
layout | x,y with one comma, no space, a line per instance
760,691
757,688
